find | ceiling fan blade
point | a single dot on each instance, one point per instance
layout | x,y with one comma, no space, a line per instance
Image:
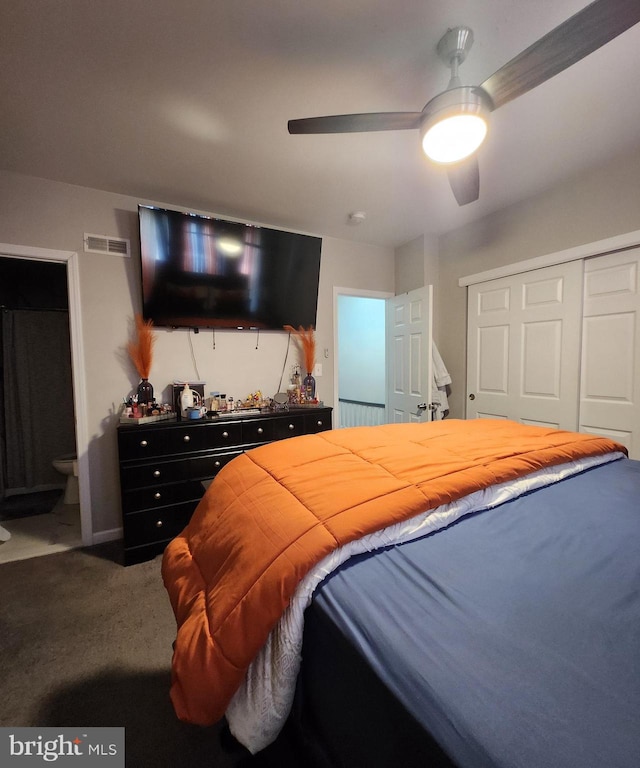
373,121
580,35
464,178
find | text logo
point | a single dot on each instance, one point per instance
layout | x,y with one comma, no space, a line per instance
27,747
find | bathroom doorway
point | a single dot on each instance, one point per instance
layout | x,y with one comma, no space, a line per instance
360,359
37,421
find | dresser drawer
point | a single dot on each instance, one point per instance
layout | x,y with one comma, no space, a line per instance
183,438
160,524
208,466
157,496
135,443
318,422
161,472
258,431
156,472
221,435
288,426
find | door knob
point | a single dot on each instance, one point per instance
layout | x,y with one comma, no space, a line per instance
472,396
422,407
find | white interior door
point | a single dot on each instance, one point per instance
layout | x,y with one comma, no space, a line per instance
610,376
409,365
523,347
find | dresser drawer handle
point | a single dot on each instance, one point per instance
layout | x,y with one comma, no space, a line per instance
158,523
319,423
216,463
156,473
225,434
292,426
157,495
186,438
260,430
143,443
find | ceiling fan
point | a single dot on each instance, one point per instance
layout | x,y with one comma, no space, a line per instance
449,114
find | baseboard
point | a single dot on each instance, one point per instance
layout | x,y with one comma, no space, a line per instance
102,537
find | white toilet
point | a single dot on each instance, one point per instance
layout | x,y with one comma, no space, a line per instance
68,465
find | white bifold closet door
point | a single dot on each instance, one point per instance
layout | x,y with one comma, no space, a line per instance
610,370
560,346
523,347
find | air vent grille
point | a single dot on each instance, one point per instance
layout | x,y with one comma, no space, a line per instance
118,246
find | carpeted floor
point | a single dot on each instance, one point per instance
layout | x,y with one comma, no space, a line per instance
87,642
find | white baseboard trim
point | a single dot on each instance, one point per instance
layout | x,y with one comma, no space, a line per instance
102,537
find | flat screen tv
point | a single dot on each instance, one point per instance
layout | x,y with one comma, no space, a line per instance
201,272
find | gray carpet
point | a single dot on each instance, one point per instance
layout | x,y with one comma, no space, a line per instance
87,642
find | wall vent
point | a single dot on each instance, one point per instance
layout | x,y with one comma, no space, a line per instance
118,246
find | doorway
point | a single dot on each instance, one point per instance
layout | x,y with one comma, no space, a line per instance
69,260
360,360
37,424
383,357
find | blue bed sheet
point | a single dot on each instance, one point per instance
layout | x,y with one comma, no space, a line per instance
513,636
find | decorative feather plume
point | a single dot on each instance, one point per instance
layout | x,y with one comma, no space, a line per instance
141,349
307,343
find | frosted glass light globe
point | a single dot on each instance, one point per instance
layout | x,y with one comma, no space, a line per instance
454,138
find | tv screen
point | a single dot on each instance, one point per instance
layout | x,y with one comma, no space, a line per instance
201,272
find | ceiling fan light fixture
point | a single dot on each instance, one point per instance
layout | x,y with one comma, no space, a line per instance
455,124
454,138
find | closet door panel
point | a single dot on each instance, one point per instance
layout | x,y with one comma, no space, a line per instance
493,360
610,369
541,359
524,346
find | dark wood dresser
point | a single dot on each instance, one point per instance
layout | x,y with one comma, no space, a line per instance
163,466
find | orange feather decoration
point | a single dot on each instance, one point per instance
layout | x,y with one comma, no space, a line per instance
141,349
307,342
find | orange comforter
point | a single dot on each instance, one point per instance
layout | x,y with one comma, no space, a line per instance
273,513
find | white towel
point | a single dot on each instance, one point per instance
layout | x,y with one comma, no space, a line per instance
441,379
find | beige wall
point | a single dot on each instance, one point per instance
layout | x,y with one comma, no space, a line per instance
36,212
33,212
409,266
593,206
417,264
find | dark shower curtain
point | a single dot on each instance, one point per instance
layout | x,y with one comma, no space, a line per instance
36,398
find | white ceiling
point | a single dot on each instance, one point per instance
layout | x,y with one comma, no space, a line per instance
186,102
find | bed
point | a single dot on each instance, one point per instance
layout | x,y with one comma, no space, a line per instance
482,607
